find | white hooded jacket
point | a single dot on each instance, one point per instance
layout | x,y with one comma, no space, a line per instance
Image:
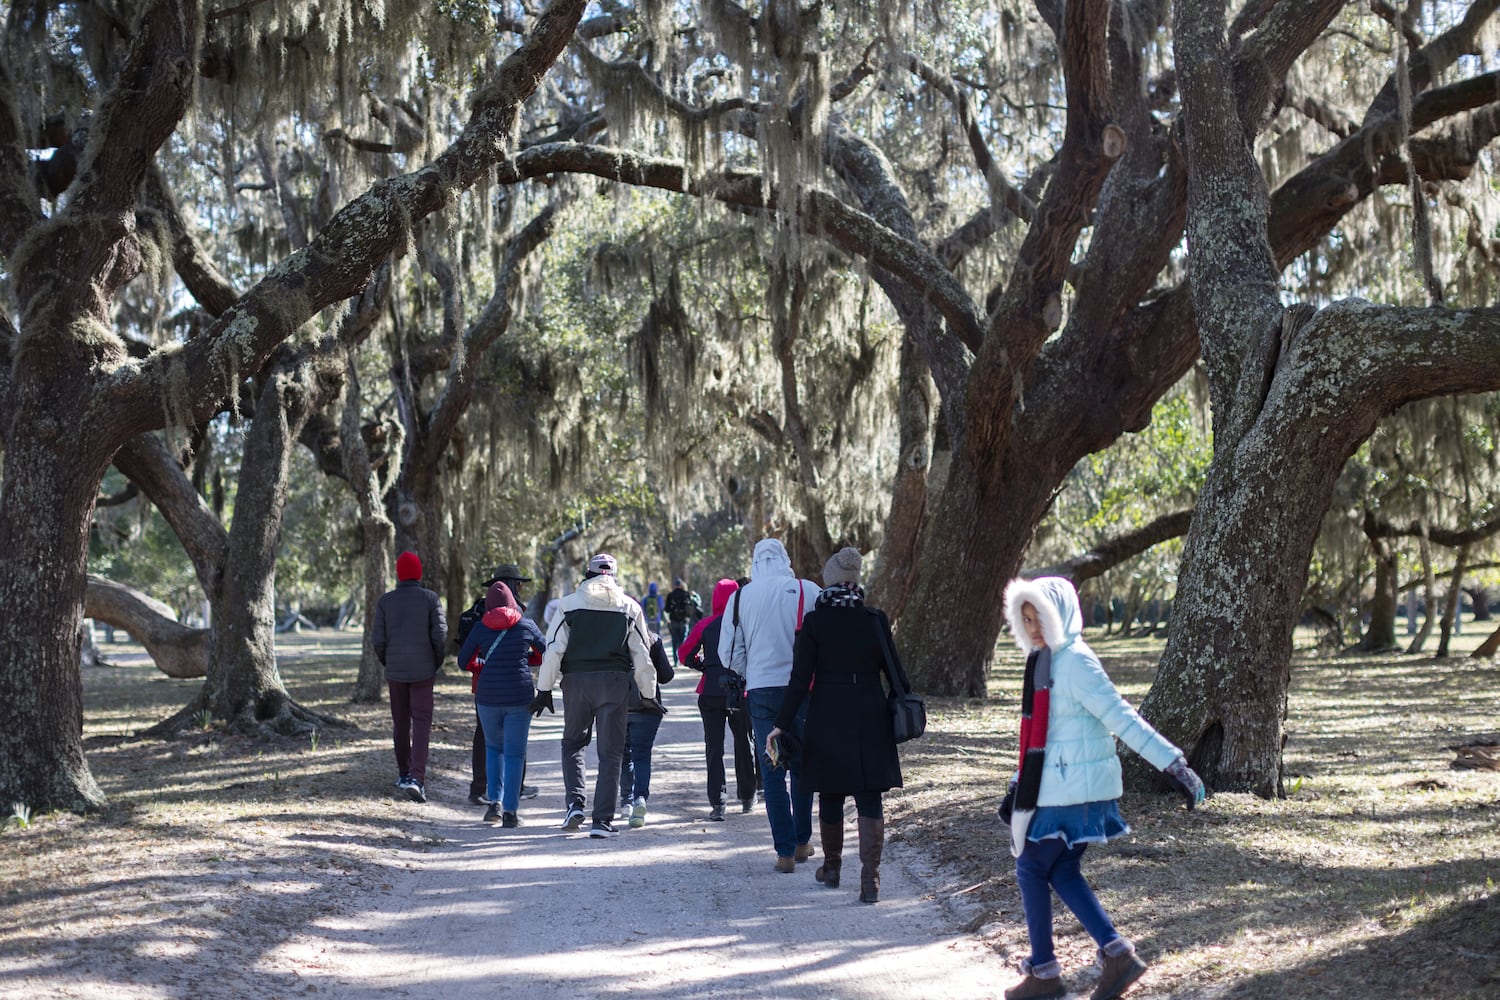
761,647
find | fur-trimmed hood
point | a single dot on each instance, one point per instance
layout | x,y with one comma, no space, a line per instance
1056,603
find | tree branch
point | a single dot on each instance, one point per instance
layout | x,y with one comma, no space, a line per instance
1110,553
341,259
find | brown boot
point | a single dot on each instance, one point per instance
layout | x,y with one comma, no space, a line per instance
871,846
1035,987
1119,972
833,852
804,851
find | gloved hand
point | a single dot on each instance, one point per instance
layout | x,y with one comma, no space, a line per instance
542,700
1187,782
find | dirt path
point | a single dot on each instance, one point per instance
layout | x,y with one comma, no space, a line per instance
680,908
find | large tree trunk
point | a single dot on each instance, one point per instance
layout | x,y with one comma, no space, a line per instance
176,649
1294,393
48,480
896,570
243,686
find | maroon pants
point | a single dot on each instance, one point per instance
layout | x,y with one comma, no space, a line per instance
411,726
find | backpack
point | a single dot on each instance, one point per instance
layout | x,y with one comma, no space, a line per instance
469,619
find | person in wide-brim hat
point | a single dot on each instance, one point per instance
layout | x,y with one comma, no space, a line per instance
506,572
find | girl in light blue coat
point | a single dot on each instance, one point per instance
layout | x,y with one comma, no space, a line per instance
1065,791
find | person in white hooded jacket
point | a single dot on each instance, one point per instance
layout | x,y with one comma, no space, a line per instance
597,641
760,628
1063,795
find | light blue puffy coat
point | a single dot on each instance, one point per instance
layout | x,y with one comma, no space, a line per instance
1082,764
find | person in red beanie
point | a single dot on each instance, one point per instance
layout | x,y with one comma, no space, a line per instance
410,637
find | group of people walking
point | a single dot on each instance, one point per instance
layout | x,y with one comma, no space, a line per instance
794,671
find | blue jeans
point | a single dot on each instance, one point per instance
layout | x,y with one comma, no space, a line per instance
790,814
1051,864
635,763
505,730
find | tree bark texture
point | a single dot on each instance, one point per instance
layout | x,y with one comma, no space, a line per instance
1294,393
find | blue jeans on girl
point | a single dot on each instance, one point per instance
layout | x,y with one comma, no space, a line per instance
505,730
1051,864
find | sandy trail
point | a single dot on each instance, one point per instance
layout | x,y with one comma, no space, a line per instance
680,908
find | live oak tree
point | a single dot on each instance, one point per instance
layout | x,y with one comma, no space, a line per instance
65,367
1040,284
1295,390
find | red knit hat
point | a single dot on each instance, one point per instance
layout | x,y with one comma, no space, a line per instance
408,566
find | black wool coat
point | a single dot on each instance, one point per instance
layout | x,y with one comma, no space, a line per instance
848,745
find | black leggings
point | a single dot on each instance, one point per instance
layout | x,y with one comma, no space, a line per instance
831,806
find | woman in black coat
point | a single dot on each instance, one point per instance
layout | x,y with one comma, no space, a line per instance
849,747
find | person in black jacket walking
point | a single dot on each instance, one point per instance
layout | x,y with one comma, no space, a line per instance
848,744
410,636
642,723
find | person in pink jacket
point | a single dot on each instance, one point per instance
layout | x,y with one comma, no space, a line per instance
721,701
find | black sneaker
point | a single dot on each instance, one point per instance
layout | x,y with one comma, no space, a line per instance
492,814
415,791
510,822
602,829
574,819
478,799
747,804
717,812
530,791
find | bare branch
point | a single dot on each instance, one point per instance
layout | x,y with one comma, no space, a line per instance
341,259
1110,553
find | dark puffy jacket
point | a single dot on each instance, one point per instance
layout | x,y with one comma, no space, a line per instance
505,678
410,633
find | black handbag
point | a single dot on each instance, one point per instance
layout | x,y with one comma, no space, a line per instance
908,711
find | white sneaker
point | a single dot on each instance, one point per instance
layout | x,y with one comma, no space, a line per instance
638,815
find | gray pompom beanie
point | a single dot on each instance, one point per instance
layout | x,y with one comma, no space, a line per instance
842,568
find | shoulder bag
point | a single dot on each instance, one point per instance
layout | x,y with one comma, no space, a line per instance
908,711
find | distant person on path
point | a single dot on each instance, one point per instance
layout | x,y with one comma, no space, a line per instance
410,636
508,646
653,606
721,702
510,575
1063,796
755,642
848,745
643,722
598,640
684,610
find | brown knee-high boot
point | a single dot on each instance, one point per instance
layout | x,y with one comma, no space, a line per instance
833,851
871,844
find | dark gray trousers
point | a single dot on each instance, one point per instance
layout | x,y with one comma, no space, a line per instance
596,698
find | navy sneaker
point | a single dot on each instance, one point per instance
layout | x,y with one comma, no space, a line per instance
414,790
492,814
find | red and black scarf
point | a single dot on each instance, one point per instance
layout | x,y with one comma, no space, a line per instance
1036,696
